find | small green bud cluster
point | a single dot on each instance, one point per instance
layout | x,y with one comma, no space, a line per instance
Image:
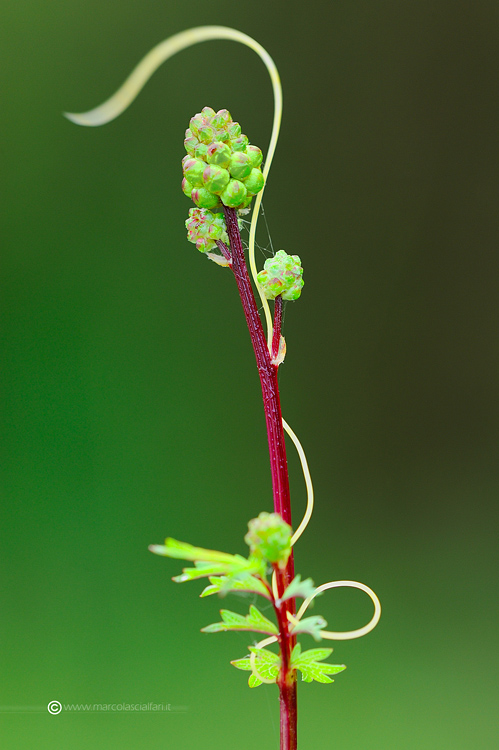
282,275
221,166
204,228
269,537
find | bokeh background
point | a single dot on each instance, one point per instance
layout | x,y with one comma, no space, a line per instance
131,403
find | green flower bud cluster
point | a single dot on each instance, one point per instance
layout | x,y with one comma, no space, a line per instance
282,275
269,537
204,228
221,166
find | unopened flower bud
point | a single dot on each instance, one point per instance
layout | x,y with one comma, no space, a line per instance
254,183
240,143
234,194
255,155
203,198
190,145
221,119
239,166
204,228
218,153
186,188
220,162
282,275
215,178
193,171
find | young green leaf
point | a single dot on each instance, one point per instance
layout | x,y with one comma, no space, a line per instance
244,664
311,625
300,588
185,551
244,582
201,570
267,664
310,664
255,621
318,672
263,655
206,562
253,681
312,654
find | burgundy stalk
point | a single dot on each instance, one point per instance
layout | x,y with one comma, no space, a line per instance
278,463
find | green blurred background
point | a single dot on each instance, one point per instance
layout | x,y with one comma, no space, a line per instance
131,400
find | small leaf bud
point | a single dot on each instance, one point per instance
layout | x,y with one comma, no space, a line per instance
269,537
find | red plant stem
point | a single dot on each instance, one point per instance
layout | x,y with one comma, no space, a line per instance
278,466
224,250
276,338
266,370
287,677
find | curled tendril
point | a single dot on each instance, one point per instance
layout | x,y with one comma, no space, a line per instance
347,634
118,103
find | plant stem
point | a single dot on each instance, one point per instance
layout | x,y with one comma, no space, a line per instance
287,677
276,337
266,370
278,466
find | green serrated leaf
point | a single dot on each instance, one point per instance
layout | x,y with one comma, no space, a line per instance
332,668
184,551
311,666
255,621
311,625
253,681
238,568
233,619
296,652
306,676
244,582
215,627
209,590
260,622
311,674
268,671
264,655
200,571
267,664
300,588
244,664
313,654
